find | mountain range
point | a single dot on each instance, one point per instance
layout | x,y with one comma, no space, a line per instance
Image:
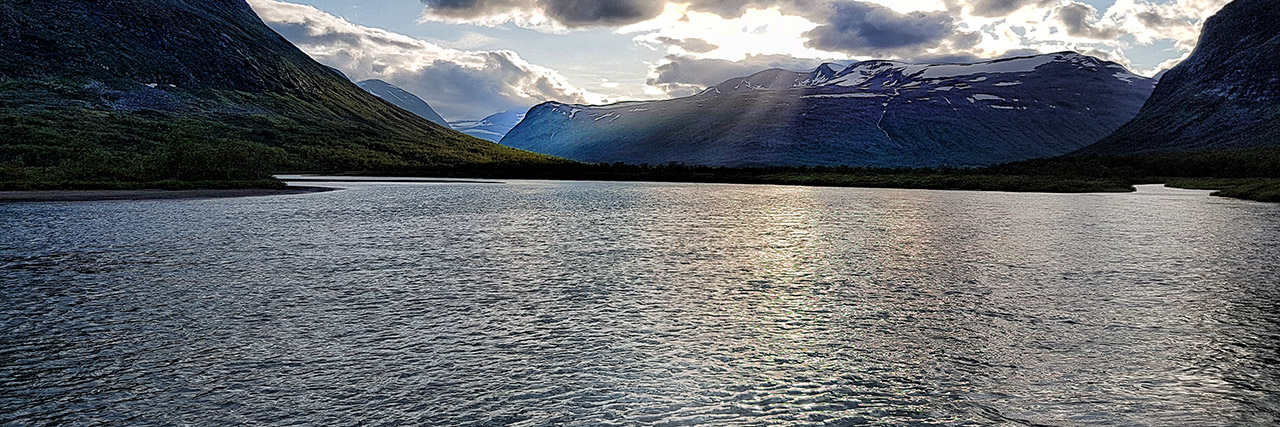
873,113
202,90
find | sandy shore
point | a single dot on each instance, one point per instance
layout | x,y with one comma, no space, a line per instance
92,195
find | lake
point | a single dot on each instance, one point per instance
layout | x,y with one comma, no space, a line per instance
588,303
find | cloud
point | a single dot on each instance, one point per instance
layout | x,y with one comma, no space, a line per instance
911,30
544,14
458,84
563,15
995,8
1051,25
861,28
691,45
682,31
1179,21
839,30
597,12
1081,20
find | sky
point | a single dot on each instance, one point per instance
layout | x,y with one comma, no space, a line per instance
472,58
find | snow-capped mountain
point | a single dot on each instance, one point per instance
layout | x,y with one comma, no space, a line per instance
492,128
1225,95
403,99
874,113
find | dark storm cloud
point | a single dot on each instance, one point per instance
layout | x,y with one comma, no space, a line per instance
1152,19
733,8
862,28
995,8
306,29
1081,20
595,13
570,13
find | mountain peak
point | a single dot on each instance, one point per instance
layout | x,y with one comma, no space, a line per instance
374,83
873,113
403,99
892,73
824,72
495,126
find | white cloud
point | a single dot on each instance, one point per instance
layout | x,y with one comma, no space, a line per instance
1054,25
469,40
459,84
523,17
756,32
1179,21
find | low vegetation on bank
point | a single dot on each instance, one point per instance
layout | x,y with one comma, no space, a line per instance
183,162
923,178
1259,189
1241,173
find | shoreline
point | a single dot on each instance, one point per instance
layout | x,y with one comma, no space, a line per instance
1226,188
384,180
148,194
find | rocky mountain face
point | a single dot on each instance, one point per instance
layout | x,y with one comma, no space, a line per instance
103,90
874,113
1225,95
403,99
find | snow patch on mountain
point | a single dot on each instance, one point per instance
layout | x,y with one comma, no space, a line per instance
849,95
871,113
890,74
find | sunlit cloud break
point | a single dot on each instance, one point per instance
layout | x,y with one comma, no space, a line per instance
459,84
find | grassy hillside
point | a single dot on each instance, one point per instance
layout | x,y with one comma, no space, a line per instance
192,90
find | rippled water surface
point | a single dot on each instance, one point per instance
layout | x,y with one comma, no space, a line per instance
533,303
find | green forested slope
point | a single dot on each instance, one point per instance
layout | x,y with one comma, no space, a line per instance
147,90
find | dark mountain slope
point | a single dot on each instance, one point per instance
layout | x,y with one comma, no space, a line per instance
191,89
1225,95
874,113
403,99
491,128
